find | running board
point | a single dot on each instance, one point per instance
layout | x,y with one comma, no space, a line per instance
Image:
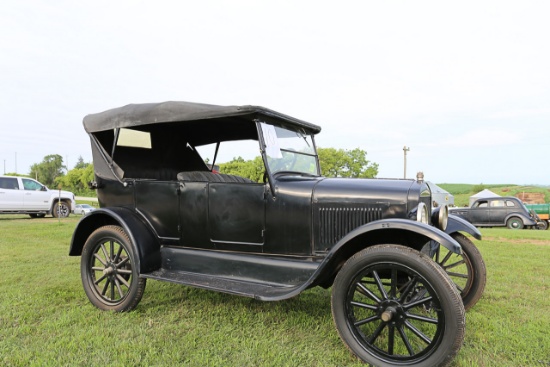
264,292
252,275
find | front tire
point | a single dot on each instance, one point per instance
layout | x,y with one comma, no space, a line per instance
394,306
108,270
467,270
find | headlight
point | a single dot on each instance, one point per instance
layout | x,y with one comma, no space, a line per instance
440,217
422,213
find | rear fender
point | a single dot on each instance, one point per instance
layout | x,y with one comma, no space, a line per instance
527,221
145,243
457,224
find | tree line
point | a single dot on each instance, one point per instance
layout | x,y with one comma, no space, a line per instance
334,163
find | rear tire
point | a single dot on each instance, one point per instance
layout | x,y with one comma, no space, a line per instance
514,223
108,270
61,210
393,306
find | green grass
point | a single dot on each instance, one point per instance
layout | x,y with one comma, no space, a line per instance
46,319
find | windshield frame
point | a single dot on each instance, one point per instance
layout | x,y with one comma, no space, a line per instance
268,150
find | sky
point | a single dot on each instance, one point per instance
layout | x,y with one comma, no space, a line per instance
464,85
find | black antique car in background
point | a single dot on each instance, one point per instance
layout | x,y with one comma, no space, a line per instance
401,274
501,211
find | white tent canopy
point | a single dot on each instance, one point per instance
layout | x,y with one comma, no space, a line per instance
481,195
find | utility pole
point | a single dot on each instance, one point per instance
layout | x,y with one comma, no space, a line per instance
405,150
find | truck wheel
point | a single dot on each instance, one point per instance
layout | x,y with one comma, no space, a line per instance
393,306
467,270
108,270
543,224
61,210
514,223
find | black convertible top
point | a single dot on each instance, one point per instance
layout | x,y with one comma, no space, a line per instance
155,113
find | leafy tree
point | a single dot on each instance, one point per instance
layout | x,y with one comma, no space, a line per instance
334,163
252,169
80,163
346,163
48,170
76,180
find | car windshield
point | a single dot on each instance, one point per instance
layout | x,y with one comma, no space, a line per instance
289,151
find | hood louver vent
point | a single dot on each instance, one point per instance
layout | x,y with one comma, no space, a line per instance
335,223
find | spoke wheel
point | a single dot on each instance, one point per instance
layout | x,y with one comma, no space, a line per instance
108,271
467,270
394,306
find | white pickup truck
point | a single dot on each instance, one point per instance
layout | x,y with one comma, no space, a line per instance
21,195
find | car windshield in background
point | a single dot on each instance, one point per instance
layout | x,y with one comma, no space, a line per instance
289,151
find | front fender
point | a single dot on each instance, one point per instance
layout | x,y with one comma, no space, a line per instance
458,224
145,243
401,231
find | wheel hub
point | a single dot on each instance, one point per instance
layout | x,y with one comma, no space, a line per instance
391,311
109,270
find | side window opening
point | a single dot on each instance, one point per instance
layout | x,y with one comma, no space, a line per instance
9,183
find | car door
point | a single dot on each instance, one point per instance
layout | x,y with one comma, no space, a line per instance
236,215
480,213
36,195
11,197
497,212
222,215
157,202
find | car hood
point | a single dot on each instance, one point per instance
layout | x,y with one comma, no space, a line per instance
380,195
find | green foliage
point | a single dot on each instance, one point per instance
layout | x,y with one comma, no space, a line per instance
334,163
50,322
76,180
346,163
48,170
480,187
80,163
251,169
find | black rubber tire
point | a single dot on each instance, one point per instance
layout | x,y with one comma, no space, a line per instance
543,225
109,275
467,271
367,317
514,223
61,210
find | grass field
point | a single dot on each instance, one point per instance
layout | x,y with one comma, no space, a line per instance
46,319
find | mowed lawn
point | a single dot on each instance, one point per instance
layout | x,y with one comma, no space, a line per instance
46,319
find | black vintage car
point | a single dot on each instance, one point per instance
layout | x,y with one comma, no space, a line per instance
165,215
501,211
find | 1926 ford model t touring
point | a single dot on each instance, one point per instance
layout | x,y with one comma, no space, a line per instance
401,272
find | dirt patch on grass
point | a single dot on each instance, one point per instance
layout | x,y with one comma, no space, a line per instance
518,241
